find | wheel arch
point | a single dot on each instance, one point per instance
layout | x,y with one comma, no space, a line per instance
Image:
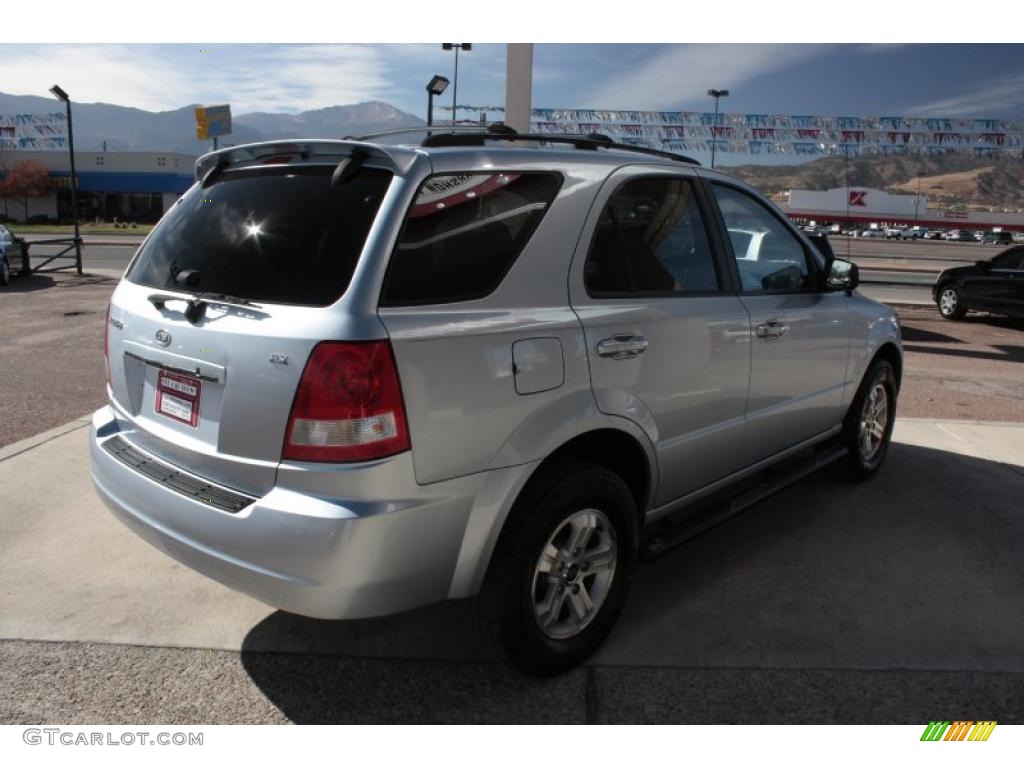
614,443
890,353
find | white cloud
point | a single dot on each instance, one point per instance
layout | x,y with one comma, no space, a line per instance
684,73
296,78
134,76
999,96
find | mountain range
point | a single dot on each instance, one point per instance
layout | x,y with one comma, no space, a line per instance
126,128
949,180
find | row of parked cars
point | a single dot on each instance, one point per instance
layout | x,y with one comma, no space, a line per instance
994,237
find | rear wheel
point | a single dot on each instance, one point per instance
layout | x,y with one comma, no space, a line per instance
562,568
950,305
870,420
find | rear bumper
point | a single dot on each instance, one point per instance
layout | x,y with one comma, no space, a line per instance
387,546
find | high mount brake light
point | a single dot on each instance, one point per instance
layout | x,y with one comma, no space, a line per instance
348,405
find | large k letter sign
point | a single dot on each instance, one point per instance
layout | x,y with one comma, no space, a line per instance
857,198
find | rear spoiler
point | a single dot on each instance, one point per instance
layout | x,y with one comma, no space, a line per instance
397,159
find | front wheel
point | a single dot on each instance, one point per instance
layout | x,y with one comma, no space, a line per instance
867,430
950,305
5,271
562,568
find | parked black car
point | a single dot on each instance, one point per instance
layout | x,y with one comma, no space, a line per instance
992,285
11,248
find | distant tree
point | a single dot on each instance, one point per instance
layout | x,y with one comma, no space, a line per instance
26,180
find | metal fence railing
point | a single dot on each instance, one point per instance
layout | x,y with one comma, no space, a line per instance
72,250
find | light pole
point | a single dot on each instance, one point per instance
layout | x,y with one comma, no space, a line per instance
63,96
917,200
435,87
455,80
716,95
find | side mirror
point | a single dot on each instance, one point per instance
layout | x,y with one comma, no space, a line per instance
842,276
983,264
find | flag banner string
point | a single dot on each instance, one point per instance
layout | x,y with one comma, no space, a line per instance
36,131
781,134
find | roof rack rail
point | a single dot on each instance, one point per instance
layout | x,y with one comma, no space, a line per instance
493,127
591,141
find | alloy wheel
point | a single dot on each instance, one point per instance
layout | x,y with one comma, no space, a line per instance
948,301
874,421
574,574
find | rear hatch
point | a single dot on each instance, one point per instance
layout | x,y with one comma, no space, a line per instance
218,312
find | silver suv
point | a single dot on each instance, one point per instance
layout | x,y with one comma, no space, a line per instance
350,378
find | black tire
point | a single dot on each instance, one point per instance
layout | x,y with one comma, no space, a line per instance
860,463
954,311
506,604
5,271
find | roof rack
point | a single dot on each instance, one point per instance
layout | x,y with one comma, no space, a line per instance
500,132
428,129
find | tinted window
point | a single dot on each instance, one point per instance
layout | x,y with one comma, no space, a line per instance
463,233
768,255
651,239
1009,260
277,234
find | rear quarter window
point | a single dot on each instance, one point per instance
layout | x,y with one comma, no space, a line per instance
463,233
278,234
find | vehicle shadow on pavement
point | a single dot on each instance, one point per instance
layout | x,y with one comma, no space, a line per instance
912,333
29,283
881,602
1006,354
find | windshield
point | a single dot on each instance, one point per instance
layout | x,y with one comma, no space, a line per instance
278,234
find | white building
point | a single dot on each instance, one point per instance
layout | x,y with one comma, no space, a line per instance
863,205
128,186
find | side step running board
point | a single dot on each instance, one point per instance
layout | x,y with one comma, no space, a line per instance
683,525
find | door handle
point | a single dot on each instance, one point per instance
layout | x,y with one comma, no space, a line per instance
772,329
622,346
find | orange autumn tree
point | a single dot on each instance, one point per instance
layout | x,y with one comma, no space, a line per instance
26,180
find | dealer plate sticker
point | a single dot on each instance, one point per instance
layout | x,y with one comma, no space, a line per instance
177,397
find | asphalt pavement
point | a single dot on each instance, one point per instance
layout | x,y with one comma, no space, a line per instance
894,601
883,602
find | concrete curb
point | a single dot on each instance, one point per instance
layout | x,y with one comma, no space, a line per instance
22,446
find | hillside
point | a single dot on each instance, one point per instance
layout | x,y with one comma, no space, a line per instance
949,180
126,128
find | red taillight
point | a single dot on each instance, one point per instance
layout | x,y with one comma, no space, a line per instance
348,406
106,343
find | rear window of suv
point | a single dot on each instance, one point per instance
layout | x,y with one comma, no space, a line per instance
463,233
278,234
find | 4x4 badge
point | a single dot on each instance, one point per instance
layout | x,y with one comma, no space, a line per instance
163,338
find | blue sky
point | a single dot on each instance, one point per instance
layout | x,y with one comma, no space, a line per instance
921,79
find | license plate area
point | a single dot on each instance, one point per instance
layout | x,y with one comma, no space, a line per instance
177,397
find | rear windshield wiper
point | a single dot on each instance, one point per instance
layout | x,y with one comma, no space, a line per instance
159,299
197,303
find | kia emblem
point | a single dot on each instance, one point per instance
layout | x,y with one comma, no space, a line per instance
163,338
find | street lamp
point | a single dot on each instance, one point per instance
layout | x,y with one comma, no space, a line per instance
435,87
455,81
917,200
62,95
716,95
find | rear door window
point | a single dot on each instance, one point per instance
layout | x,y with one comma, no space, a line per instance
651,240
463,233
278,234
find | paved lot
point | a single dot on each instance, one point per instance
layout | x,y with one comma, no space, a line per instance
972,369
51,345
885,602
